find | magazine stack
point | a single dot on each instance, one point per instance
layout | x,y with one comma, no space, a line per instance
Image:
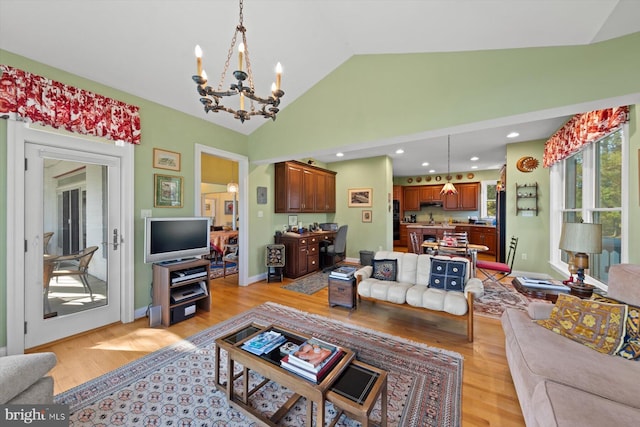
343,273
313,360
264,342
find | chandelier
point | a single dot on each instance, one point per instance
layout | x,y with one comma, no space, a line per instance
448,188
212,99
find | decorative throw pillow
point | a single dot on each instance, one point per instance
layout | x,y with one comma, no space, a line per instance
630,348
447,275
595,324
384,269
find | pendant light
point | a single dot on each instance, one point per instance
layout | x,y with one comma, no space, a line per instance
448,188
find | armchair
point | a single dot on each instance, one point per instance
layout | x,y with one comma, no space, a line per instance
83,258
23,380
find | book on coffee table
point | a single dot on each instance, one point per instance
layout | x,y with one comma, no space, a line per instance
543,284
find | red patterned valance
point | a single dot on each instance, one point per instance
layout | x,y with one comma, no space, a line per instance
52,103
582,129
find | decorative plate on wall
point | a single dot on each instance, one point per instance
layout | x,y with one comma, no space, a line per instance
409,180
458,176
418,179
428,179
470,176
438,178
527,164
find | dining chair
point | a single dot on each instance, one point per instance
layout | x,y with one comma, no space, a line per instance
492,269
415,243
454,243
81,269
231,256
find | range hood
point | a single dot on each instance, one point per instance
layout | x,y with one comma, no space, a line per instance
432,203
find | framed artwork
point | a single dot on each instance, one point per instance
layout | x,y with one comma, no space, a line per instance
360,197
367,216
261,195
228,207
167,191
293,220
164,159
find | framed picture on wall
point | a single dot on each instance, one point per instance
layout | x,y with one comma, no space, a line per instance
167,191
228,207
165,159
360,197
367,216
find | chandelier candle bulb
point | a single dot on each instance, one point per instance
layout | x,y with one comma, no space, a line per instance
240,53
199,59
273,89
278,75
241,101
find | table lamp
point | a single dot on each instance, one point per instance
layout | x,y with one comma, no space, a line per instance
580,239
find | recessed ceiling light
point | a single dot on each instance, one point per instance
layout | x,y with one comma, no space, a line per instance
399,151
513,135
475,158
339,154
425,164
432,171
474,167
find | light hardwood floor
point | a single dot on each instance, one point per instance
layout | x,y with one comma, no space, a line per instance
488,395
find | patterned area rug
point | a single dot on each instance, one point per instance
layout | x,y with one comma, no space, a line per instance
216,271
175,386
310,284
498,296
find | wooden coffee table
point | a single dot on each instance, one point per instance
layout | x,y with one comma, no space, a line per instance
268,365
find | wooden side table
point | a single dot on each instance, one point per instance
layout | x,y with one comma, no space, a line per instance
342,292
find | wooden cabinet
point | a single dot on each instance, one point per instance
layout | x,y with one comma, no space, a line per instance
411,199
302,252
430,193
304,188
465,200
480,235
342,292
181,288
404,235
397,192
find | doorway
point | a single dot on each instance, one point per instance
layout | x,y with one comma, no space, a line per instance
70,222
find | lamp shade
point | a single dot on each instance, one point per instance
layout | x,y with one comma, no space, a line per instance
581,237
232,187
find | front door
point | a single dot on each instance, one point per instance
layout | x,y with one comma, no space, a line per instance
71,277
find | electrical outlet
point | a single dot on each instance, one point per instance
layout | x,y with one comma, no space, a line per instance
524,257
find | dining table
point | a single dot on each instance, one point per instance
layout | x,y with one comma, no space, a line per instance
471,249
220,239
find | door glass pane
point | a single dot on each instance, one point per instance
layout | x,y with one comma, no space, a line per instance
75,223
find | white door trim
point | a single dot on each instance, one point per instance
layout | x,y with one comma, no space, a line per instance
243,205
17,134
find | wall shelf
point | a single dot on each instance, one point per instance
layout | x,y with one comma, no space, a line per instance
527,198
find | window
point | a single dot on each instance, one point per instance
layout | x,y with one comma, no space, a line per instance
593,190
488,197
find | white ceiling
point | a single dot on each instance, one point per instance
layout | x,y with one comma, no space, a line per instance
145,47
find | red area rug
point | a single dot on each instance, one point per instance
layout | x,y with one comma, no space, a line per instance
175,385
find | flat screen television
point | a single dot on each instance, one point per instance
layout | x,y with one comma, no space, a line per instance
169,240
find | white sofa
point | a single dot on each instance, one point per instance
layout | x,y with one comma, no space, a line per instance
411,285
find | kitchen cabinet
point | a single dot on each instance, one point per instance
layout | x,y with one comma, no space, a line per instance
465,200
430,193
411,199
480,235
304,188
397,192
404,235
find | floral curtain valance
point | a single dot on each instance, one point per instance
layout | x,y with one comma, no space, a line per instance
52,103
582,129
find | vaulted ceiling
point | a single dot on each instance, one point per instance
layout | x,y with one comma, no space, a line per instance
145,47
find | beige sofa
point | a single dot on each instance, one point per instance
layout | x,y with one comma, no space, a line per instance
411,285
561,382
23,378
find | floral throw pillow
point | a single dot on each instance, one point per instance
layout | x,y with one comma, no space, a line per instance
447,275
597,325
630,348
384,269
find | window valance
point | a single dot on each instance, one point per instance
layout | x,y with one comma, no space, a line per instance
48,102
583,129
